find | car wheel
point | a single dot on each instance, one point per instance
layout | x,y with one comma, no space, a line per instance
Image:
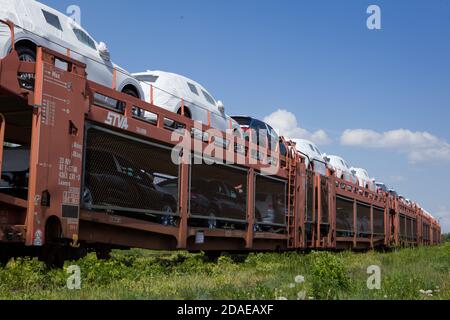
26,80
187,113
212,221
121,105
167,219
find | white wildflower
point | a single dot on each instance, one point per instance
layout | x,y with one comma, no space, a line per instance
299,279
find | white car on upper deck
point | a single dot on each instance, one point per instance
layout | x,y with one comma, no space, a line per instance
364,179
313,157
341,168
39,25
171,91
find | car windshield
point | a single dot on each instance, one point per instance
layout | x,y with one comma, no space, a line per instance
243,121
84,38
148,78
317,150
209,98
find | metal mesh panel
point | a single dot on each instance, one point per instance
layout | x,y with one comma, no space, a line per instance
324,200
378,221
409,233
344,217
270,201
127,175
415,230
218,193
363,221
426,231
309,196
402,231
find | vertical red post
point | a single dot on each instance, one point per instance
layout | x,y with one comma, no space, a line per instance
2,139
183,206
332,210
302,203
319,210
33,205
355,224
151,95
387,227
114,82
396,223
371,226
250,209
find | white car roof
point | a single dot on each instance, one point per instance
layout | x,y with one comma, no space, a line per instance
177,85
335,161
304,147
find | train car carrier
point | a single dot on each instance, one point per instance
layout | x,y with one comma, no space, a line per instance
76,143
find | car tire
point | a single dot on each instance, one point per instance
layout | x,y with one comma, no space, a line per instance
25,53
187,113
121,105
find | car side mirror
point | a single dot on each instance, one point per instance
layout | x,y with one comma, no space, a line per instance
220,106
104,51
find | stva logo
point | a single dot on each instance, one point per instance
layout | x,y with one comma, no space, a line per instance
117,120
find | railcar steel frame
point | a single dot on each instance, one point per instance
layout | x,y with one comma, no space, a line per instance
56,114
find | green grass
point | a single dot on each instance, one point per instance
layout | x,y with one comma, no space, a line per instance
139,274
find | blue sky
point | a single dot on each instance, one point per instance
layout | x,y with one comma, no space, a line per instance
316,60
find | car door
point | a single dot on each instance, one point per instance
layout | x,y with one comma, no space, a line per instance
237,203
221,198
84,48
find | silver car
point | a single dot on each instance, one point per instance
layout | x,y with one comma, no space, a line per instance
39,25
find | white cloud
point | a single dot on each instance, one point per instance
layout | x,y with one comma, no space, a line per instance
286,124
419,146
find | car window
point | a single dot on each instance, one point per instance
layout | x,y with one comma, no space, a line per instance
148,78
258,125
233,193
243,121
84,38
52,20
193,88
283,150
209,98
127,168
